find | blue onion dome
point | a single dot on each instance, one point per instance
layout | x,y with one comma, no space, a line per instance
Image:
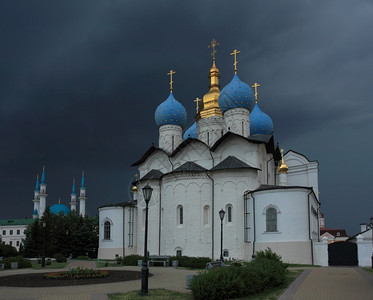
170,111
35,212
191,132
57,208
236,94
260,123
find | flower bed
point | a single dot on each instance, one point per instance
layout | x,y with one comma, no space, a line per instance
77,273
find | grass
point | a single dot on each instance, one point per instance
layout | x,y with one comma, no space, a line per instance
158,294
108,264
53,265
369,270
161,294
302,266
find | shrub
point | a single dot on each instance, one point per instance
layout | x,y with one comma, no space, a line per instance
7,251
22,262
131,260
77,273
238,281
82,257
60,257
269,254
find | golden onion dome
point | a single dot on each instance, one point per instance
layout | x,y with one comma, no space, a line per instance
283,168
134,189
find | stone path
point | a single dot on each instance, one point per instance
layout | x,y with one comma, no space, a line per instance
331,283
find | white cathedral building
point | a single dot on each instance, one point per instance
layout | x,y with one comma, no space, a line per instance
225,160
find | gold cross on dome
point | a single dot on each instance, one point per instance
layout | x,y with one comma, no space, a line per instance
171,82
282,153
197,100
235,52
255,86
213,45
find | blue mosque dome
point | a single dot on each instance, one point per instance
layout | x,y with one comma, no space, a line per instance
170,112
57,208
191,132
236,94
260,123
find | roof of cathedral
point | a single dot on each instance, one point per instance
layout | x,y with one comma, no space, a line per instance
153,174
121,204
236,94
170,111
230,134
260,123
191,132
146,155
232,162
189,167
59,207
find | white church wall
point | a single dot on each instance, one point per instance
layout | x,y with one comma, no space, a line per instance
238,147
196,152
321,253
153,218
302,172
157,161
110,248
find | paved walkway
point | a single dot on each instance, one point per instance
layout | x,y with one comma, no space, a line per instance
167,278
331,283
327,283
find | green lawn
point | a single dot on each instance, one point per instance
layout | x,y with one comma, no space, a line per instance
160,294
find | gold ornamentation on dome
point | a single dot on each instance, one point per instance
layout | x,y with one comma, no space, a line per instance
213,45
211,99
134,189
255,86
283,168
171,82
235,52
197,100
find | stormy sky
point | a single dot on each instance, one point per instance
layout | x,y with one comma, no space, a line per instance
80,82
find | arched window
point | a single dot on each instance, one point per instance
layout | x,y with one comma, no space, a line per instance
206,211
179,253
228,211
208,138
180,215
271,220
243,129
173,143
107,229
226,253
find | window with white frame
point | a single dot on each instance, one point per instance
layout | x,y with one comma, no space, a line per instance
206,211
107,230
228,211
180,215
271,220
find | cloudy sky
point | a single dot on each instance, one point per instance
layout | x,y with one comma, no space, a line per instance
80,81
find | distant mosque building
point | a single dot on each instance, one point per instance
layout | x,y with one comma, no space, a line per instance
226,160
40,199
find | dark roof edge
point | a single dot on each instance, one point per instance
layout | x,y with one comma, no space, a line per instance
301,155
147,154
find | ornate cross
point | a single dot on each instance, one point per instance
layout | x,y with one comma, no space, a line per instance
213,45
235,52
255,86
171,82
282,153
197,100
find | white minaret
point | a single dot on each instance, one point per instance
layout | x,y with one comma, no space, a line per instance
73,198
42,195
36,198
283,169
82,197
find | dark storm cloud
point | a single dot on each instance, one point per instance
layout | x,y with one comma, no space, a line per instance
80,81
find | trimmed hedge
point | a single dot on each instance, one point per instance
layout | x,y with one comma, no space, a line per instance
22,262
60,257
234,282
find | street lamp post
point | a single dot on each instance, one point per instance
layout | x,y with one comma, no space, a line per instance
370,226
147,192
221,215
43,258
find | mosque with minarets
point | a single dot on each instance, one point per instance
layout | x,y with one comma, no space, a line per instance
227,160
40,199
